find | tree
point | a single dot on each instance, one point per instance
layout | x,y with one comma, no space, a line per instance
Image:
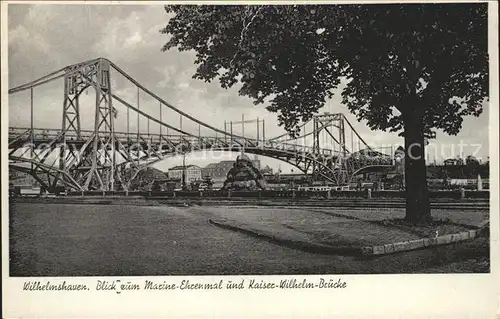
471,160
472,166
410,68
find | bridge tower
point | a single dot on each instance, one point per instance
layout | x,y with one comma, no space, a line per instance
327,128
96,167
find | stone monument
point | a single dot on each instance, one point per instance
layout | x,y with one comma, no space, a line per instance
244,176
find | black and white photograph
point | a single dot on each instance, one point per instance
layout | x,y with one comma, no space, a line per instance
164,140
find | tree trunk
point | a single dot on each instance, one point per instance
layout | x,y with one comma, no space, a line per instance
417,194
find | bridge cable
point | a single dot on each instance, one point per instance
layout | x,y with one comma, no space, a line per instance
128,132
138,143
160,120
285,134
22,88
49,77
150,117
352,142
307,134
165,102
352,128
32,135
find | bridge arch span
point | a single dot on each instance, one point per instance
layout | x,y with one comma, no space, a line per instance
67,179
285,156
368,167
89,164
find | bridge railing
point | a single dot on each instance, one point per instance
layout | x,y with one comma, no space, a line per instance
186,143
51,133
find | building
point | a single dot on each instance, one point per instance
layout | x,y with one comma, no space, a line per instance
217,170
454,162
193,172
22,179
151,174
266,170
256,163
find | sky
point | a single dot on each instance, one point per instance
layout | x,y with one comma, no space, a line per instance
46,37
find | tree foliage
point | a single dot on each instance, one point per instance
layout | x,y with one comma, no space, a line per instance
426,60
409,68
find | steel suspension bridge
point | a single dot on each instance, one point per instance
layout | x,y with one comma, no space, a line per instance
109,153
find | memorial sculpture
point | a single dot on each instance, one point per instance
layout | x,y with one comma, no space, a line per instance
244,176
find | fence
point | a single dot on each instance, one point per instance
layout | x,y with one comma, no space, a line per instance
291,194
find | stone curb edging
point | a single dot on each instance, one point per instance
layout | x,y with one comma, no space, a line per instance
418,243
366,250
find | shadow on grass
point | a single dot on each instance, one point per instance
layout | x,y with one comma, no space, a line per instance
289,243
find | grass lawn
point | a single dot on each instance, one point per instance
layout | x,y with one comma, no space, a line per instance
112,240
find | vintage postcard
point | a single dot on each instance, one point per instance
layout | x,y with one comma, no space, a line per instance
254,159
